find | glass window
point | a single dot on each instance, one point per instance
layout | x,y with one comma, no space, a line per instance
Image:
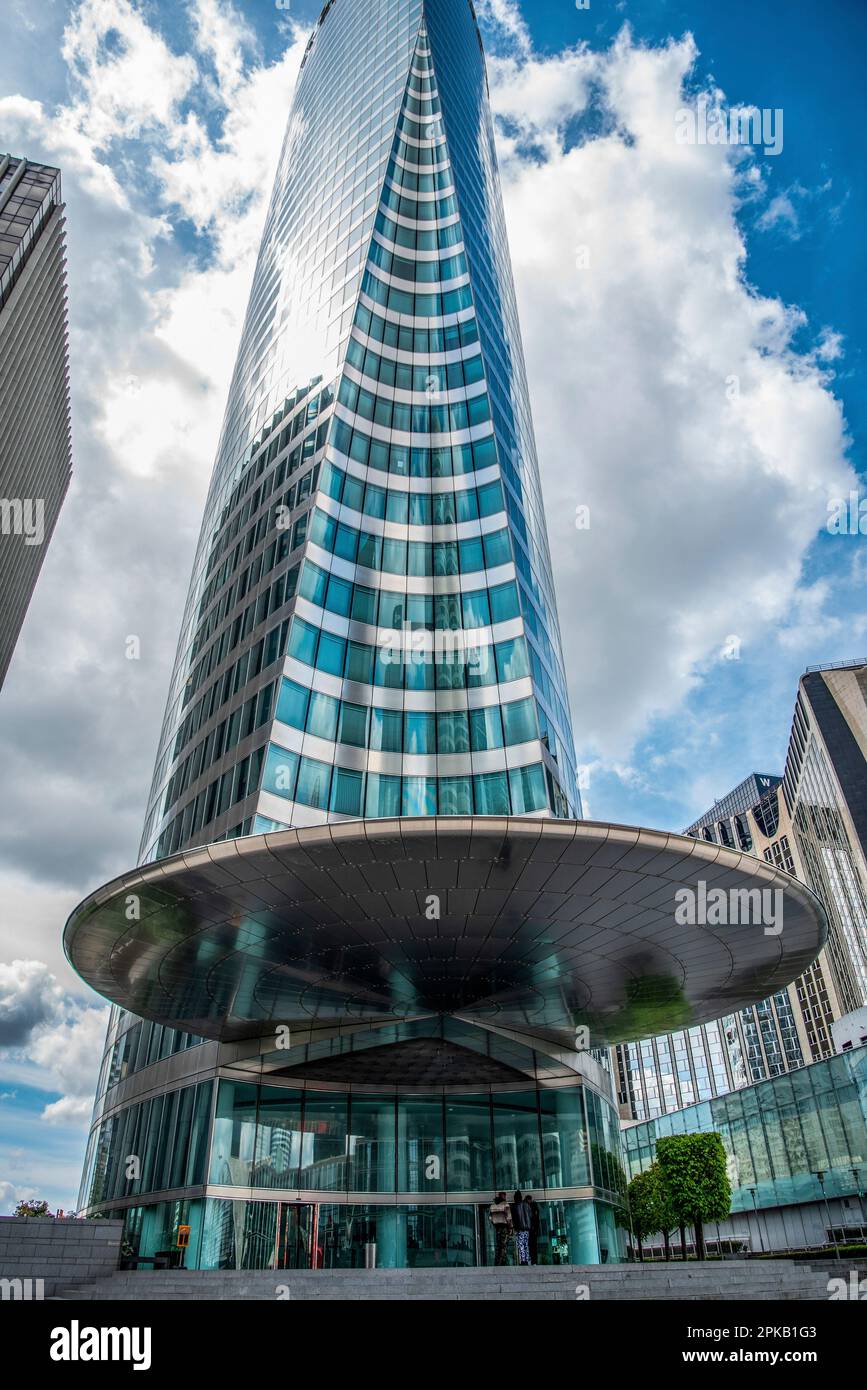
419,732
331,653
339,596
386,730
481,668
456,796
512,660
281,769
486,728
527,788
469,1150
419,796
353,725
517,1144
302,641
497,549
314,779
383,796
322,719
279,1136
360,664
364,604
292,704
233,1141
314,583
421,1146
323,1148
504,602
453,732
472,555
564,1138
346,791
477,610
372,1147
519,721
491,794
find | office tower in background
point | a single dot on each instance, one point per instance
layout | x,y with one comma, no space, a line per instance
35,439
825,790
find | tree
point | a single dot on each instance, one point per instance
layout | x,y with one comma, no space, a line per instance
33,1209
693,1172
649,1207
644,1206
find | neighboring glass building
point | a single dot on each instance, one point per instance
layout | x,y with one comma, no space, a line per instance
35,440
371,631
797,1156
792,1028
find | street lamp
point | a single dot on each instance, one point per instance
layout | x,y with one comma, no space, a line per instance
820,1174
752,1192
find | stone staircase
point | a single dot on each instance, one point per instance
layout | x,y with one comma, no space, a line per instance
739,1280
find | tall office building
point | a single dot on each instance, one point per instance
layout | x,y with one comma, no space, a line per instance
825,791
657,1076
372,938
35,443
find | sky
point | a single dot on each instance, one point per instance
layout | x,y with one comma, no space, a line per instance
693,321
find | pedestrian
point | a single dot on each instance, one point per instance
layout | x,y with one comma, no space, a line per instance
501,1220
535,1227
521,1221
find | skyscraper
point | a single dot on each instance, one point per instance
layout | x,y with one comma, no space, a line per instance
378,429
35,445
361,883
825,790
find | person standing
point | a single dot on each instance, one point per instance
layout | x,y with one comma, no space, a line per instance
521,1224
535,1228
501,1219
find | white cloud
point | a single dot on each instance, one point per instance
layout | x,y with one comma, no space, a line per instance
667,395
128,79
509,24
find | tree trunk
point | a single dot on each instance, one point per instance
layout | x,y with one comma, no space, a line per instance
666,1236
701,1252
640,1251
682,1230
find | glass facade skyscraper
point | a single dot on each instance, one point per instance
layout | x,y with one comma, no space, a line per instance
371,626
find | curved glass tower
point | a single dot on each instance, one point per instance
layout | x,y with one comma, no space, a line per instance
361,875
371,626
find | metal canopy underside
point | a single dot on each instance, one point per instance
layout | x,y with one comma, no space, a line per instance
544,925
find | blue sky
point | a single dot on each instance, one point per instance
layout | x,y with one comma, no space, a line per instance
705,266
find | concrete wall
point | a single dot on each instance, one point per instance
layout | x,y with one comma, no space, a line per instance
60,1253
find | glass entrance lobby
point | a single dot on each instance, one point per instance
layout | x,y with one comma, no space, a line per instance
231,1234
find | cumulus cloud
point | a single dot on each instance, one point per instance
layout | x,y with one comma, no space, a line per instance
675,406
50,1040
29,997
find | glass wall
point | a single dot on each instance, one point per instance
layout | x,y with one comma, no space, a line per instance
159,1144
331,1141
780,1135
